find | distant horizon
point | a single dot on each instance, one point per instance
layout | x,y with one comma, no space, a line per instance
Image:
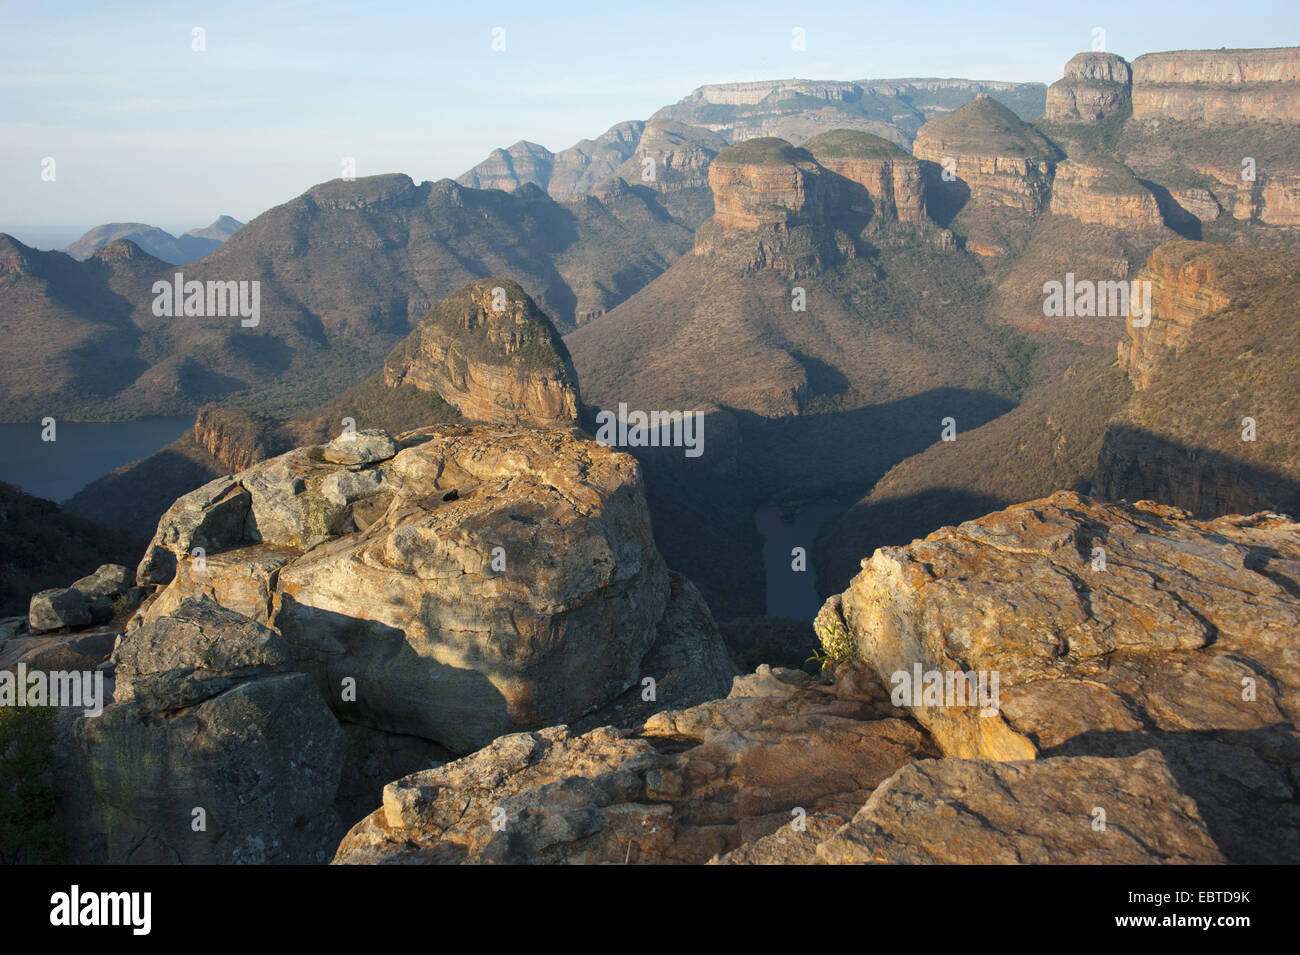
145,128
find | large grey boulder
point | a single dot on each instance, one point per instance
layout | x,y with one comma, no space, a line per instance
213,751
56,608
360,448
477,582
109,580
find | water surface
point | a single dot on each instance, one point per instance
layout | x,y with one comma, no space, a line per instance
792,593
80,453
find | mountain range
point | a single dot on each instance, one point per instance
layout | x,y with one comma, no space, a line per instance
174,250
827,300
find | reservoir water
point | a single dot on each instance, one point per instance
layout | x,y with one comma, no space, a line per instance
80,453
790,592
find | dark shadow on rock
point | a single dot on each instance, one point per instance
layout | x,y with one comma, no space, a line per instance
944,199
1135,464
1176,217
396,690
1240,780
839,550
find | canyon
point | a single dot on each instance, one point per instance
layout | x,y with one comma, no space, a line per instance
402,602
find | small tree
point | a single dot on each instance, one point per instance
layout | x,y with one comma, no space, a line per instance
29,832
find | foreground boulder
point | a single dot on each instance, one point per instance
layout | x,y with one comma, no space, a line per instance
683,787
1111,630
213,751
1068,810
476,582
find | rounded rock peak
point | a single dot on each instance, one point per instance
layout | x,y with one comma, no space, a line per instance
1108,67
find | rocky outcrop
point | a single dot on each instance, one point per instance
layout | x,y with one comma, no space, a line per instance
1095,87
89,600
892,179
1218,86
213,751
987,149
1189,281
684,786
564,175
673,156
1111,629
488,350
1146,714
1102,192
82,650
981,812
235,439
766,184
464,583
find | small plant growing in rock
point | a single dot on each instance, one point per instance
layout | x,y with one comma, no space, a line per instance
837,646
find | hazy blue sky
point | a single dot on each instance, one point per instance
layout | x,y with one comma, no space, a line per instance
143,128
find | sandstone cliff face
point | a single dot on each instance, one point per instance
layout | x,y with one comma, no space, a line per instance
471,582
985,146
1272,197
235,438
735,94
1188,281
893,180
1103,193
1095,87
678,156
766,183
493,355
1218,86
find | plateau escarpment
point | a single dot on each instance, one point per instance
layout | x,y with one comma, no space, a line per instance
1218,86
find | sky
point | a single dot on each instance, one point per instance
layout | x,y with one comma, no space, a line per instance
143,127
